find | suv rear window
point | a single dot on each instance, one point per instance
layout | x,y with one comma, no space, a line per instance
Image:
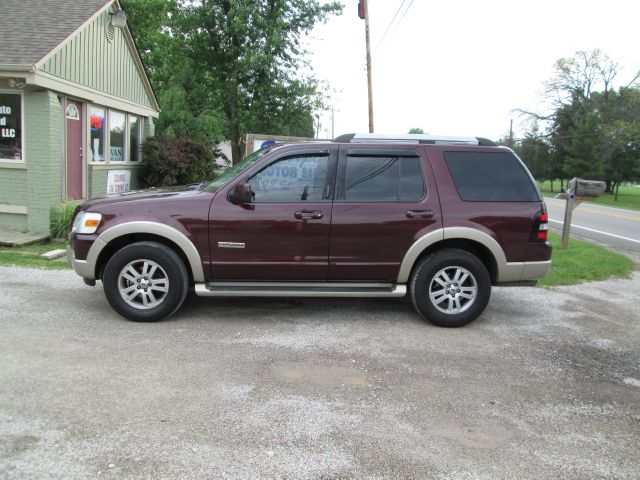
490,177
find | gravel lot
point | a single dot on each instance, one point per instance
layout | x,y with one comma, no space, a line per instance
546,384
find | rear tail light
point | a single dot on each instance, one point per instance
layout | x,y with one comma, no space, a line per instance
540,227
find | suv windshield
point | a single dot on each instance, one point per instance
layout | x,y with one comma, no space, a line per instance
231,172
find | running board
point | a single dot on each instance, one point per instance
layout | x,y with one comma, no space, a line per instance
299,289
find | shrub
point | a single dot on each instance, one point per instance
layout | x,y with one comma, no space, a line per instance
175,161
61,218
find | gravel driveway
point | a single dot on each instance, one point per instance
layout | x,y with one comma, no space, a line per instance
546,384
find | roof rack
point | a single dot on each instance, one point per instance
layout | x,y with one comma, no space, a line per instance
412,138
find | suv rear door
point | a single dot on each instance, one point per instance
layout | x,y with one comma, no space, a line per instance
385,200
283,234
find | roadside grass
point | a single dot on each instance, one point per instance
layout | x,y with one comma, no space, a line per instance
628,197
29,256
584,262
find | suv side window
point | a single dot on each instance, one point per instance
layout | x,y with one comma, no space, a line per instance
291,179
383,178
491,177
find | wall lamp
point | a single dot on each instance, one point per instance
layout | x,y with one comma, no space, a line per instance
119,18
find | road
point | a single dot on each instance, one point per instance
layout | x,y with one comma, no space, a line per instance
607,225
546,384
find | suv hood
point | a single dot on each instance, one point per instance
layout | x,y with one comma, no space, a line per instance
146,194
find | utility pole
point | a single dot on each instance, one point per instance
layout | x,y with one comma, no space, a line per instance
333,135
363,12
511,134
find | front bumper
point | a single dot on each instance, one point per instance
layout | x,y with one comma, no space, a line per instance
84,268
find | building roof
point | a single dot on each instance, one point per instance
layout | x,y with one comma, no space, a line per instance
29,29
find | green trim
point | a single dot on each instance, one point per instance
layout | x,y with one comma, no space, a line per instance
113,166
14,165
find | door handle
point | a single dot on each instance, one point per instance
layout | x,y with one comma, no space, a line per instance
315,215
420,213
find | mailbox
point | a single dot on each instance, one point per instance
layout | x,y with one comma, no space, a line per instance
577,191
586,188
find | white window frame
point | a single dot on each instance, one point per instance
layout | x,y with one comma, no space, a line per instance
22,131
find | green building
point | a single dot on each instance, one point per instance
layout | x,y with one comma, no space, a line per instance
75,106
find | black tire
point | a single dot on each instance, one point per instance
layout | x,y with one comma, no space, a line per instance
170,266
448,262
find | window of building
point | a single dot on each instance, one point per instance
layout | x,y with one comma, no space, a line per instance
383,179
72,112
98,135
11,133
292,179
490,177
115,137
134,138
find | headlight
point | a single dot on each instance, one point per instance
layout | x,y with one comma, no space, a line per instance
86,222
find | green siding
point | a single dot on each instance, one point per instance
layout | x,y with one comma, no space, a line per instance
13,220
89,59
13,191
43,156
13,186
37,187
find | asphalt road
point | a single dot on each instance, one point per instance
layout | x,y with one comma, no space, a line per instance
546,384
610,226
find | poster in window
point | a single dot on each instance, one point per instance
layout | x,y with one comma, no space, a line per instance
97,136
10,126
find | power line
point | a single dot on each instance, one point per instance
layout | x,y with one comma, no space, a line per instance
389,26
402,18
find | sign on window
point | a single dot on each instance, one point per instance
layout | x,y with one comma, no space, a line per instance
10,126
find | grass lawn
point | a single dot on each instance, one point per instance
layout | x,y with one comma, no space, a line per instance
29,256
628,197
583,262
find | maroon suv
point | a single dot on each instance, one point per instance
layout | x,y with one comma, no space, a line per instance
443,218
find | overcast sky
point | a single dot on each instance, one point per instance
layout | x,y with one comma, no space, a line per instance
461,67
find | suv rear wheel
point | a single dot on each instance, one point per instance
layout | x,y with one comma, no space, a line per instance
450,288
145,281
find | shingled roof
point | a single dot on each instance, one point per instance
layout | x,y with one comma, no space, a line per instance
29,29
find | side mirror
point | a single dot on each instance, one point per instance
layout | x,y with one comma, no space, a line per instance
241,194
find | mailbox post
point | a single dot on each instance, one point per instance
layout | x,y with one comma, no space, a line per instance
577,191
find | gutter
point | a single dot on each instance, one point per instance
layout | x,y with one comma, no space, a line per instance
15,67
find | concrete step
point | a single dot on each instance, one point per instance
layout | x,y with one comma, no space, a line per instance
14,237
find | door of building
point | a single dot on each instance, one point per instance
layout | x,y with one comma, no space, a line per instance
74,150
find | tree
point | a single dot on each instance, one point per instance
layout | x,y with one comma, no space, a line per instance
185,109
223,68
248,55
416,130
590,128
535,152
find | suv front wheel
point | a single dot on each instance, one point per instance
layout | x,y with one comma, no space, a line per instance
145,281
450,288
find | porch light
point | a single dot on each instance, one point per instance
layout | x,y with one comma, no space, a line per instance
119,18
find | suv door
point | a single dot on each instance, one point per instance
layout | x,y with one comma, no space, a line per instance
283,234
385,200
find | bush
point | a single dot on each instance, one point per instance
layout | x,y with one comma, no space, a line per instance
61,218
175,161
